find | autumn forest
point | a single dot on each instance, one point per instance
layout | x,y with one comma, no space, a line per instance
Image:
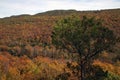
61,45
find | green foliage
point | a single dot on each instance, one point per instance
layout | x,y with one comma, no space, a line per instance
112,76
86,36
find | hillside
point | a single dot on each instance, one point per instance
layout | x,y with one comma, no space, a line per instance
26,40
36,29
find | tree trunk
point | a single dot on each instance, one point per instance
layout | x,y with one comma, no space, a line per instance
81,66
81,71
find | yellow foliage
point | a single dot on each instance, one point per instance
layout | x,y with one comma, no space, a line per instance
107,66
13,71
3,77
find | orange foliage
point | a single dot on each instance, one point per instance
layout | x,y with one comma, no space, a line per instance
108,67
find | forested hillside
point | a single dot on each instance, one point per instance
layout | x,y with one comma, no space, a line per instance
27,52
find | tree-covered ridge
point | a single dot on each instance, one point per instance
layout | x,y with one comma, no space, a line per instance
27,51
36,29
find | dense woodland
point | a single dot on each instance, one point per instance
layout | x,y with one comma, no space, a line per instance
27,52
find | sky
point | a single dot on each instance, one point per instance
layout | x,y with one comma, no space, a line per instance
17,7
